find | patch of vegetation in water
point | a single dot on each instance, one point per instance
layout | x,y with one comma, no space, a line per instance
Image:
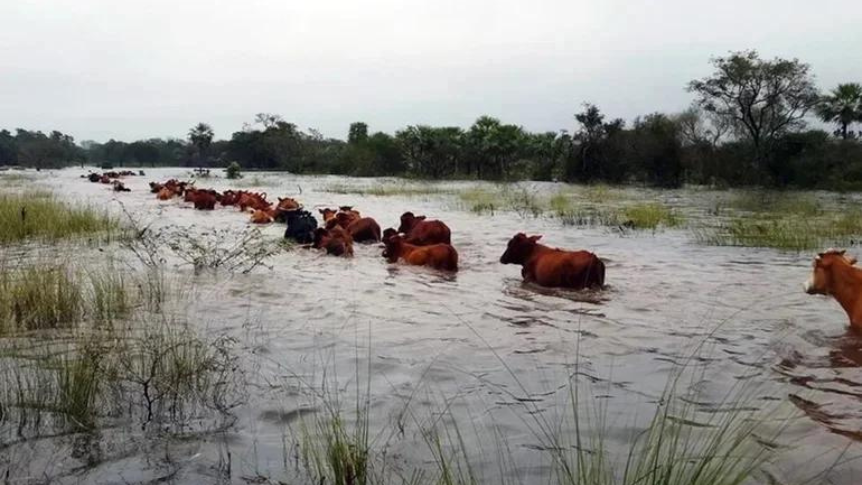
75,360
39,215
794,233
650,215
792,221
387,189
776,203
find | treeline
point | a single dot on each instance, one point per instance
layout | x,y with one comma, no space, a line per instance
749,125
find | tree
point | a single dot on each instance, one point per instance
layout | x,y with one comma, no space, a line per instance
268,120
201,137
600,147
656,149
842,106
762,99
8,148
493,146
699,128
358,133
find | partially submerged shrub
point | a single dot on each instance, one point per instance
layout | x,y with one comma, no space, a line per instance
233,171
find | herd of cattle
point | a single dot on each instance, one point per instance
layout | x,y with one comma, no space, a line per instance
417,241
424,242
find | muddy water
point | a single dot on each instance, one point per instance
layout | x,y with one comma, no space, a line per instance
484,350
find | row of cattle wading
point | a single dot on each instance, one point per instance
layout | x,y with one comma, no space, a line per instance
418,240
423,242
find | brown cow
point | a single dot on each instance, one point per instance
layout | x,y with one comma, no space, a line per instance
165,194
438,256
346,218
263,216
253,201
230,197
364,230
554,267
422,232
834,274
287,204
327,213
336,241
204,200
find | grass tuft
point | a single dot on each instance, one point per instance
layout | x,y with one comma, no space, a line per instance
39,298
650,216
38,215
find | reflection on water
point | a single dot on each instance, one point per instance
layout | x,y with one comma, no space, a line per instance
440,340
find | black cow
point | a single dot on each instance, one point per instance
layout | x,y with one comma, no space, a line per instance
300,226
94,177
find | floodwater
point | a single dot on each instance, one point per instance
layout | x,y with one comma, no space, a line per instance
480,348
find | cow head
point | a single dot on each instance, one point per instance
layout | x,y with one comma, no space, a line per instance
393,247
821,280
287,204
327,213
345,218
408,220
519,249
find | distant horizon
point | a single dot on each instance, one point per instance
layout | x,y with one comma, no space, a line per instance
98,70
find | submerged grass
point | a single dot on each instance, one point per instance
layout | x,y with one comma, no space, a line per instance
650,215
389,189
39,298
38,215
104,356
684,443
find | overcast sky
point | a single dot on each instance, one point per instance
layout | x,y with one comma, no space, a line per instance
101,69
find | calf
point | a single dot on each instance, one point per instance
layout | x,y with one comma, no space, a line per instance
835,275
553,267
120,187
300,226
422,232
438,256
336,241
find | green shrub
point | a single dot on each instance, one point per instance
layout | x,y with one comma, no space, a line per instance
233,171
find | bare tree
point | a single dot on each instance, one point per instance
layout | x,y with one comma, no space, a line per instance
698,127
762,99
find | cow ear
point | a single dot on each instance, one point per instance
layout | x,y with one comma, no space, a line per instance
421,218
535,238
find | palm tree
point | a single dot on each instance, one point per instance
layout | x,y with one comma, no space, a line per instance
842,106
201,136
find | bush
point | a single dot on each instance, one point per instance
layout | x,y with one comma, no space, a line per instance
233,171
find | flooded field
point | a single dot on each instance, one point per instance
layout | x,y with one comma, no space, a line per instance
476,367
